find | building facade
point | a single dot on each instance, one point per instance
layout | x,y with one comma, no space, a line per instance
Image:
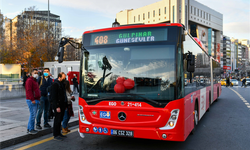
12,26
200,20
227,59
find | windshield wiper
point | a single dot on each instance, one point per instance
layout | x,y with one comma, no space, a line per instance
98,81
150,100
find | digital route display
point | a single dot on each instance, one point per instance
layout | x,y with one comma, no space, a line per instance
129,36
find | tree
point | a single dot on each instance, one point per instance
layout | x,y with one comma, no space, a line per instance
34,39
1,37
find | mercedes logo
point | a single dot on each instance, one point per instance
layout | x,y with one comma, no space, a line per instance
122,116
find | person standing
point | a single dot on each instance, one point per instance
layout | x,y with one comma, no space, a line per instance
243,82
44,82
32,100
58,97
228,81
75,82
69,110
25,78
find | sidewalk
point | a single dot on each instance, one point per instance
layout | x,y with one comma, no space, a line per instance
14,116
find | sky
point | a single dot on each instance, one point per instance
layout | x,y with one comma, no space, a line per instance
78,16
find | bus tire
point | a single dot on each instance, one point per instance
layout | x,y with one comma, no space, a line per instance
218,94
209,103
196,117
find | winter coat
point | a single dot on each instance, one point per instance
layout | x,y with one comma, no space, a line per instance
44,84
32,89
58,95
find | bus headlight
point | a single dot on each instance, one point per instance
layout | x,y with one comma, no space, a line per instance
172,121
82,116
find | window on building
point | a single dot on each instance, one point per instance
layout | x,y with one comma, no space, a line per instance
143,16
159,12
204,15
198,12
134,18
154,13
165,10
201,14
138,17
194,11
191,9
207,16
148,15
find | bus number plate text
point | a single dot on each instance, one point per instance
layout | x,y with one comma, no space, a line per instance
122,133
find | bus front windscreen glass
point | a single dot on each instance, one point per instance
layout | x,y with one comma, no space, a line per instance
148,71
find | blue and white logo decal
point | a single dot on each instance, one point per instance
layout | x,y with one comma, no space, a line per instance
105,130
100,130
95,129
105,114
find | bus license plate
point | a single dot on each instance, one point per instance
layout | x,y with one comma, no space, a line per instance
122,133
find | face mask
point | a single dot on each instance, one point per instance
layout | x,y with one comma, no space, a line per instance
35,76
45,74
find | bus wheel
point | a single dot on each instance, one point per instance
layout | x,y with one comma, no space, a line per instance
218,94
196,118
209,101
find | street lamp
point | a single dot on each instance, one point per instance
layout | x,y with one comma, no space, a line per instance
115,24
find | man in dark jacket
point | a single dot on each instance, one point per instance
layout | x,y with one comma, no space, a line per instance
244,82
44,82
32,99
75,82
58,93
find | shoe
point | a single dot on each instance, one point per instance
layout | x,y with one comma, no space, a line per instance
68,129
38,127
32,132
58,138
47,126
62,136
64,130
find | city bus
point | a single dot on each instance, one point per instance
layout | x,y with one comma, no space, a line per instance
132,82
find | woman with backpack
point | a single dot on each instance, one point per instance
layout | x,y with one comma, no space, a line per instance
69,109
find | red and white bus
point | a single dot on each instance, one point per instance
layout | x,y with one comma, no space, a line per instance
132,82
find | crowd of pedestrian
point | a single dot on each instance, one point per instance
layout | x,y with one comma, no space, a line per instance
50,98
228,83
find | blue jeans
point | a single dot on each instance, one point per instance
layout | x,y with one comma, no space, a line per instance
33,110
43,109
66,118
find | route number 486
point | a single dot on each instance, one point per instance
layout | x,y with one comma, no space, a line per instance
101,39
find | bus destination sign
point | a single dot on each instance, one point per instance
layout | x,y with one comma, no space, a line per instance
129,36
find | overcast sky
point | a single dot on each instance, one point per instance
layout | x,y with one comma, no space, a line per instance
81,15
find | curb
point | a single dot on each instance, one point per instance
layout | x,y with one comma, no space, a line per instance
27,137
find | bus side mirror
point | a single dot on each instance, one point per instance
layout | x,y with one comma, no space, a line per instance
60,54
190,62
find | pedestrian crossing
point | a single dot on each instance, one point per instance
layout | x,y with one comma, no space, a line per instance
235,87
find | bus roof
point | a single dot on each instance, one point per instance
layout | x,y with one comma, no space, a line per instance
134,26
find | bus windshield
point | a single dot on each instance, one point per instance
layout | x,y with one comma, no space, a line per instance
151,67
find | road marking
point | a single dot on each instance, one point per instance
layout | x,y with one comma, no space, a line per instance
242,98
42,141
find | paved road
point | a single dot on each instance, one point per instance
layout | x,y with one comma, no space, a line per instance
14,115
225,127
